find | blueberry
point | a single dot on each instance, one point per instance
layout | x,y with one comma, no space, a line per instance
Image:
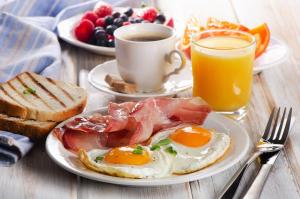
129,12
97,28
118,22
161,18
138,20
108,20
110,29
101,42
116,15
111,43
100,34
132,20
124,17
157,21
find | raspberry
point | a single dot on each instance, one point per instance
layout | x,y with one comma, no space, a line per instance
170,23
84,30
103,9
100,22
90,15
149,14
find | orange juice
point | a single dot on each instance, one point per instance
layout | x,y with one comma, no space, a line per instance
222,71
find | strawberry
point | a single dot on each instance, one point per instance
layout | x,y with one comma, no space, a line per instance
84,30
90,15
149,14
170,22
103,9
100,22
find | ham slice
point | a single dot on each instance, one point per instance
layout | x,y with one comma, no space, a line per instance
131,122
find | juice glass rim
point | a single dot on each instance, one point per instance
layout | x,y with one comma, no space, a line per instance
252,41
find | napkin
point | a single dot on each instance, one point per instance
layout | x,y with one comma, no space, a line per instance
13,147
29,43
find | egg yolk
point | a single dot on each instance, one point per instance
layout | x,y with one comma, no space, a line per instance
125,155
191,136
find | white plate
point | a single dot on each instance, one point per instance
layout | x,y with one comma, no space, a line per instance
174,85
275,54
240,143
65,32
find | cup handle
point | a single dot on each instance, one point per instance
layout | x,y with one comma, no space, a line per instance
169,60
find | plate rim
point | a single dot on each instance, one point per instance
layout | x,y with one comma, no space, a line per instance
149,182
137,95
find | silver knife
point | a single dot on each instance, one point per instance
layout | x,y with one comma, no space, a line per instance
267,161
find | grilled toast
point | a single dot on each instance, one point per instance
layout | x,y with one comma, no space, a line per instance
34,97
35,130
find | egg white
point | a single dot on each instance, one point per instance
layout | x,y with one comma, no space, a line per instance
190,159
159,166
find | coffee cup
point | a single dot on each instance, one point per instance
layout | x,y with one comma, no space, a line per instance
146,55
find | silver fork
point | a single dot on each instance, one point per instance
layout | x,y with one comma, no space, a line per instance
272,141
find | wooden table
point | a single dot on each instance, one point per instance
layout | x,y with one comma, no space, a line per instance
36,176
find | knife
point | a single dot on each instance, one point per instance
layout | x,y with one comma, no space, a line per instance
267,161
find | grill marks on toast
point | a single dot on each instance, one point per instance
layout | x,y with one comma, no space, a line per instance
45,89
59,95
34,94
34,97
20,95
62,89
6,95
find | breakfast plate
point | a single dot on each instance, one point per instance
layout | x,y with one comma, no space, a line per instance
175,84
239,147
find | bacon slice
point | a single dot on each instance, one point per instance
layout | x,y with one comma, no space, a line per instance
131,122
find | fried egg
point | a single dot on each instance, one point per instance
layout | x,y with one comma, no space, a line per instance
129,161
190,147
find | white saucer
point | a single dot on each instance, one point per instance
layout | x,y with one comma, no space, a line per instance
174,85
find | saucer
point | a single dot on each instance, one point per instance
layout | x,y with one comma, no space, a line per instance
175,84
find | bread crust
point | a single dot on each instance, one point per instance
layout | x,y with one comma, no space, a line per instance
12,109
35,131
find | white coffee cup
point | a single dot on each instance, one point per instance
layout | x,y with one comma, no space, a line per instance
148,64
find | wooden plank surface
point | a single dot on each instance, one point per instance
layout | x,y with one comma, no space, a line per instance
36,176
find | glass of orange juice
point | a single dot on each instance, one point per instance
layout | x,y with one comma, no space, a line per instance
222,62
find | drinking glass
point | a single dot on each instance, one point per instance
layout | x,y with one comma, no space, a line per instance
222,62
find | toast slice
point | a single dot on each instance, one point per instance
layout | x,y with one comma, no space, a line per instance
34,97
33,129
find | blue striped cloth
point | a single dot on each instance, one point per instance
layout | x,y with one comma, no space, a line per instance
28,43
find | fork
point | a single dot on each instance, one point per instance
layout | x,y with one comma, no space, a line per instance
272,141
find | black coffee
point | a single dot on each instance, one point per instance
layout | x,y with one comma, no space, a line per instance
145,38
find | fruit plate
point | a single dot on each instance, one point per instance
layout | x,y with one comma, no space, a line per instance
239,147
65,32
276,53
